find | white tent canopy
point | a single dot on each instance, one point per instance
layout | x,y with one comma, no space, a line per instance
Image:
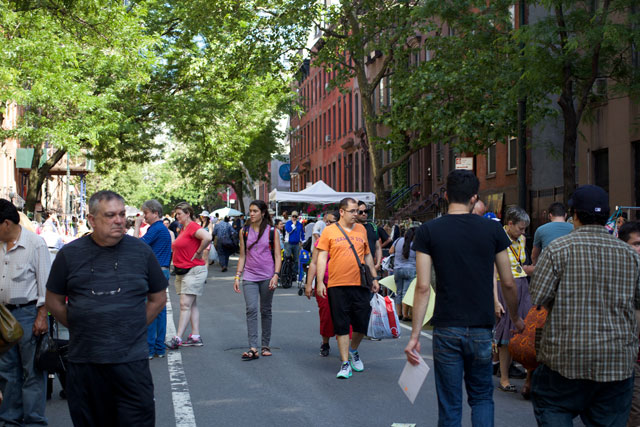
318,193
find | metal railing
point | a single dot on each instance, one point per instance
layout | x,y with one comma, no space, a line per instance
399,194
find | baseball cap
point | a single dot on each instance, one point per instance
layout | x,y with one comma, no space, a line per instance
204,213
294,213
590,198
491,215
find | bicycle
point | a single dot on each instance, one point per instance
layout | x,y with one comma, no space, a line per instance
287,275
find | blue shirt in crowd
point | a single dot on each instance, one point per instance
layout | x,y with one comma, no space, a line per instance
547,233
295,235
158,237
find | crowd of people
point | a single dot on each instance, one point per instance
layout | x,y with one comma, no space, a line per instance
487,280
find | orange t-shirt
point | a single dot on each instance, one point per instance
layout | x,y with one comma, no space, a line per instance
344,268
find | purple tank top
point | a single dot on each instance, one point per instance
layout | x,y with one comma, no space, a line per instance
258,264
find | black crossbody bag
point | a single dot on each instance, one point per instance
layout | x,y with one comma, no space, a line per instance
366,278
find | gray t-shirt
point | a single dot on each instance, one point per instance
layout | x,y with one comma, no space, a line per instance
107,289
399,260
547,233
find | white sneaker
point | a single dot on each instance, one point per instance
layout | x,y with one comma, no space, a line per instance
356,363
345,371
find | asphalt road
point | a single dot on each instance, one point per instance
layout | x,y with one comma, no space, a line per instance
294,387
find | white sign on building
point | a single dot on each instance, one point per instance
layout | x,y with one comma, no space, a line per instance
465,163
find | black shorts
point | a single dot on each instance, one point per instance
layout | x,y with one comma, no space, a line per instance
350,305
118,394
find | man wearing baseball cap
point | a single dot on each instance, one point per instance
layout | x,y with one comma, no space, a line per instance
590,283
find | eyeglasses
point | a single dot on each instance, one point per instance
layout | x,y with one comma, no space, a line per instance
351,211
294,216
363,212
329,222
104,275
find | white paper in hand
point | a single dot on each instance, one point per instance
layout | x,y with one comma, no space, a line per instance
412,378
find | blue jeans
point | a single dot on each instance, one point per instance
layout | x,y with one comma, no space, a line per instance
557,400
459,352
293,248
23,387
403,278
157,330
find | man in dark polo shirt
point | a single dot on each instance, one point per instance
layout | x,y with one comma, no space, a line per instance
115,288
463,249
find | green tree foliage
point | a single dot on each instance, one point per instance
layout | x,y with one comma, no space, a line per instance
573,47
76,68
155,180
223,82
460,96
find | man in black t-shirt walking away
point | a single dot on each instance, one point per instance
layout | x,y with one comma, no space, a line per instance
373,237
463,249
115,288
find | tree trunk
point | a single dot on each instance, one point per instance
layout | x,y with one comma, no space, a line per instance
238,188
569,145
37,175
372,136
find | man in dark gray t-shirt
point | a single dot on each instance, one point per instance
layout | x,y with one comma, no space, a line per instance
115,288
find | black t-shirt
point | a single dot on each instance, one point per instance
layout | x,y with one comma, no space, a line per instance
384,236
372,237
463,249
107,289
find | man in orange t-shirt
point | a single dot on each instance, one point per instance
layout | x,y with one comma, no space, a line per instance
349,301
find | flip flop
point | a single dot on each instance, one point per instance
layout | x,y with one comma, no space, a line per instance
250,355
266,351
508,389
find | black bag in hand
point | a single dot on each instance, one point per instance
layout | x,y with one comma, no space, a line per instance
49,355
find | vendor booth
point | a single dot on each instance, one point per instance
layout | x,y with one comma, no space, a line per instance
319,193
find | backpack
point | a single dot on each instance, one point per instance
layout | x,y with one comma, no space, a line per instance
245,235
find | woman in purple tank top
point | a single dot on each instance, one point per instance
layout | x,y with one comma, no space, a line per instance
258,269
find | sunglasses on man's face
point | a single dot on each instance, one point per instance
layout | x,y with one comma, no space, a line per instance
294,216
363,212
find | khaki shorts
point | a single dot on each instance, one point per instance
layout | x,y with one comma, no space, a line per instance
192,283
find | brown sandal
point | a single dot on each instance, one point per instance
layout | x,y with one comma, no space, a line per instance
250,355
266,351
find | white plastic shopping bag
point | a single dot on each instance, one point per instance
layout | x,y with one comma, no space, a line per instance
384,322
213,254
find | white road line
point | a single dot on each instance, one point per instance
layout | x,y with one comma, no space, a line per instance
182,407
424,334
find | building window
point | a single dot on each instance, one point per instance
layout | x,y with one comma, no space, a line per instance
338,186
491,159
388,94
333,175
350,111
512,155
381,93
339,131
344,115
601,169
439,161
328,135
356,113
452,158
334,131
356,172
